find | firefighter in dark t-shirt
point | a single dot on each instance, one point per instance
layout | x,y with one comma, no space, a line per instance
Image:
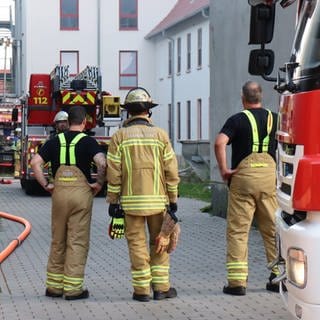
71,154
252,184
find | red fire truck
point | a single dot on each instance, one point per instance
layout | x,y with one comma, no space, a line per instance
51,93
298,188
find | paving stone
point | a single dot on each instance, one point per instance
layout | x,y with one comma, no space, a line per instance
197,270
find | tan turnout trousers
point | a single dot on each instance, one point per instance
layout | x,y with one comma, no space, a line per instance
72,200
252,194
148,269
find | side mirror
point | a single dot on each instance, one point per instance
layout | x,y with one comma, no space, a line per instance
262,23
14,115
261,62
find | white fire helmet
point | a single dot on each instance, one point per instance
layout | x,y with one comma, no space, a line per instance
61,116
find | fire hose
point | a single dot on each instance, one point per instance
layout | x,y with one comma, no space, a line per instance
4,254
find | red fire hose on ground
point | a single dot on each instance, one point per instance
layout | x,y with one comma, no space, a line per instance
4,254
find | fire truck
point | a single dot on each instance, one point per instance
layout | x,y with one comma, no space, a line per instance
56,91
10,121
298,167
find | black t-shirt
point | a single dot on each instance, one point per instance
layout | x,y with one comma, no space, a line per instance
85,150
239,131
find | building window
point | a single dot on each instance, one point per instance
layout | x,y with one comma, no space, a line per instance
71,59
69,14
169,121
188,51
128,66
199,48
170,47
199,116
188,119
128,16
179,121
178,55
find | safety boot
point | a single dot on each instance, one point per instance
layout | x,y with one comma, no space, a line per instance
141,297
235,291
52,294
83,295
161,295
274,287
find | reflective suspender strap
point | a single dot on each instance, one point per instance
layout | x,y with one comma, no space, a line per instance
72,156
265,143
63,147
255,134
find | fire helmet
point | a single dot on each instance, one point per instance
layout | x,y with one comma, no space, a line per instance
61,116
138,100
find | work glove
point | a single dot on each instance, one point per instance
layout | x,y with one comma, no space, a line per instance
168,225
116,225
115,211
174,238
173,207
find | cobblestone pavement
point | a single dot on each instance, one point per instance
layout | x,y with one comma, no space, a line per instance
197,270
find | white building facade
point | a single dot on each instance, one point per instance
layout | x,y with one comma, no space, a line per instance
109,34
182,77
129,42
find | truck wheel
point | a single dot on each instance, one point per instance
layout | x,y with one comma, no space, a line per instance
23,183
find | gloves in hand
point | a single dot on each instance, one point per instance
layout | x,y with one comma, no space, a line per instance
162,243
115,211
173,207
116,228
174,237
116,225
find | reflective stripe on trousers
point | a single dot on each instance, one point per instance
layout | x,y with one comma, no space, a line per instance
71,217
252,194
147,268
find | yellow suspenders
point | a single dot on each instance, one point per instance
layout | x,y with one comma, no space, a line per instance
255,134
63,147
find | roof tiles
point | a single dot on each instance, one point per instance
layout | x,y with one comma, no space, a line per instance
182,10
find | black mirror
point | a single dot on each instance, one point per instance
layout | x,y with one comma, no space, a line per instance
262,23
14,115
261,62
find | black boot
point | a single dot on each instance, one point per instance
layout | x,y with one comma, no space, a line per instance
274,287
141,297
235,291
160,295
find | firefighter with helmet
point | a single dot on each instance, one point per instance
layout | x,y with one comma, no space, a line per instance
143,183
61,123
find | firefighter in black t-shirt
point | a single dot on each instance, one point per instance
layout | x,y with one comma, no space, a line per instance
252,184
71,154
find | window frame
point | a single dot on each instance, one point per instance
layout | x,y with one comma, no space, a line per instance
69,15
179,55
188,52
128,15
77,60
199,48
128,75
178,120
170,61
188,119
199,118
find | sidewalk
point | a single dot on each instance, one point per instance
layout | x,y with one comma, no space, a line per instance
197,271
